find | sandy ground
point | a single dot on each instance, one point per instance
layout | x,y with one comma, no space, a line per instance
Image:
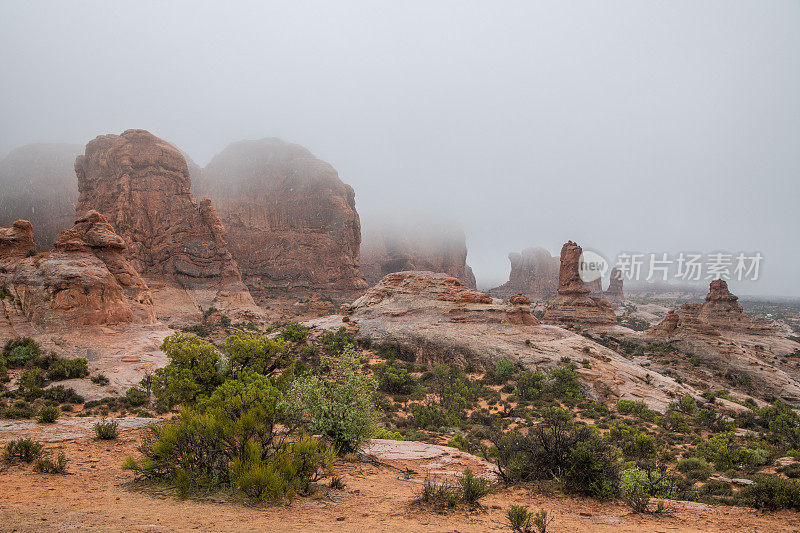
98,496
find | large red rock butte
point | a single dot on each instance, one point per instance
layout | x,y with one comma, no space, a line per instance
407,246
141,184
37,184
574,305
534,272
292,224
84,281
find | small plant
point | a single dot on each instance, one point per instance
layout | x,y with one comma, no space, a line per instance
519,519
541,521
25,450
106,429
99,379
48,414
337,483
46,466
473,488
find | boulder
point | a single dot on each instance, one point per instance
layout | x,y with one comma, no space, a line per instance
17,241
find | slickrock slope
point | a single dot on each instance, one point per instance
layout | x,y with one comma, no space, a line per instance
745,352
37,183
574,305
84,281
440,320
407,246
613,294
292,224
141,184
534,272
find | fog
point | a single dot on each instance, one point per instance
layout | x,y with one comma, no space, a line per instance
640,126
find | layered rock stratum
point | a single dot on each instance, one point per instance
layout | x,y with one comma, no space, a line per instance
574,303
37,183
141,184
534,272
291,222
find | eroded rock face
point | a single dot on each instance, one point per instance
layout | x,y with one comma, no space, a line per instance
141,184
720,312
436,248
437,319
17,241
720,335
37,183
574,305
534,272
84,281
613,294
291,222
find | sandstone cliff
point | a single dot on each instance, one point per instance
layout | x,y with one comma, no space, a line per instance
534,272
291,222
613,294
574,305
435,247
141,184
37,183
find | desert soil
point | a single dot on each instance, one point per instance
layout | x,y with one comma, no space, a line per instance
98,495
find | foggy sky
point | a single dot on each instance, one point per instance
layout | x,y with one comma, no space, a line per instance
645,126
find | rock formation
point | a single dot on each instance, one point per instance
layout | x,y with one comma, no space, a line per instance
720,312
534,272
141,184
37,183
613,294
84,281
291,222
17,241
574,305
406,246
437,319
746,353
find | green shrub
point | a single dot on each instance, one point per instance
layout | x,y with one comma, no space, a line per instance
135,397
473,488
559,383
395,380
49,414
48,466
237,437
68,369
294,332
19,409
337,343
459,441
194,370
519,519
638,485
771,492
442,495
503,370
24,449
339,404
60,394
636,408
106,429
694,468
558,448
18,351
633,443
99,379
32,379
251,352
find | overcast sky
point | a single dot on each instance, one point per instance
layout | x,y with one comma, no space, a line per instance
644,126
